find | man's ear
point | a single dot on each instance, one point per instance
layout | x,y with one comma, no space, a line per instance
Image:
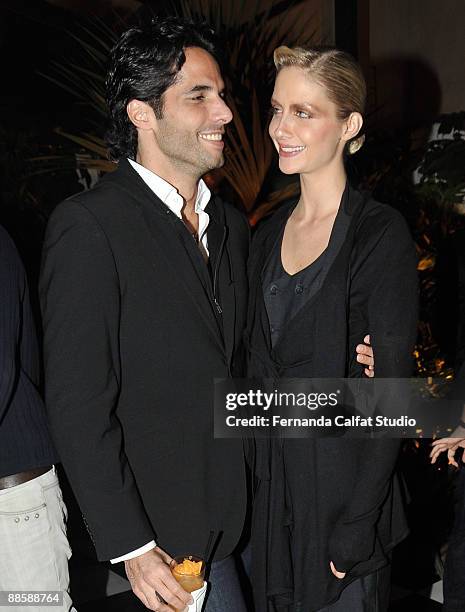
353,125
140,114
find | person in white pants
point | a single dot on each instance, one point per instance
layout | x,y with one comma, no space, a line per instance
34,549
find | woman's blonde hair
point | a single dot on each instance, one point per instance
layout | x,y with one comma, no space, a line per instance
336,71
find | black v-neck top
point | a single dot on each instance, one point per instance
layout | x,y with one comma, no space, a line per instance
285,294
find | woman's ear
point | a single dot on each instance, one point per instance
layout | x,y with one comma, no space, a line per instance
353,125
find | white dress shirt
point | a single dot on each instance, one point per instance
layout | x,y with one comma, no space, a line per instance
169,195
171,198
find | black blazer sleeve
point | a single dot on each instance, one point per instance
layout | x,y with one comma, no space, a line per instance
384,303
80,300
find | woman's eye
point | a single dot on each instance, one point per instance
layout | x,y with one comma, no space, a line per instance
199,98
274,110
302,114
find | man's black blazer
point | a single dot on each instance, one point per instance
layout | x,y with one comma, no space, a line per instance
132,346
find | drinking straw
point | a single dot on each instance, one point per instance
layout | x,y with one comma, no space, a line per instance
209,546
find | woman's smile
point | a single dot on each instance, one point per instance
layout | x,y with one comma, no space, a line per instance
286,150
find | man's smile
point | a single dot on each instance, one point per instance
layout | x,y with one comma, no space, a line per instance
215,138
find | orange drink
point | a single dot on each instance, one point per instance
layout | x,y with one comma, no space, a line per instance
189,571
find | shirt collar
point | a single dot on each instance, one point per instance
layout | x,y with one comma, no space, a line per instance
168,194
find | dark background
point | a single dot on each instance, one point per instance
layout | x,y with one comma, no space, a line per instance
412,53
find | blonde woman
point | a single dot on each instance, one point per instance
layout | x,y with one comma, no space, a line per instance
325,271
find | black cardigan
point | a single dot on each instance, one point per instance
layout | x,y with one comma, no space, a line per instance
331,499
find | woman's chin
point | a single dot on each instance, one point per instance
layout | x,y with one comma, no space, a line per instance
287,168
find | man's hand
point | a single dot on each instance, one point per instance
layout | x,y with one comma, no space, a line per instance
450,445
365,356
339,575
150,574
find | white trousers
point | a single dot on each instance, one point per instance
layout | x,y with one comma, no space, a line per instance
34,549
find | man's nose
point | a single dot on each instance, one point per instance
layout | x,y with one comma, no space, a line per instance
222,112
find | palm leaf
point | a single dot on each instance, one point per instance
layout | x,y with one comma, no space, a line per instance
86,143
250,32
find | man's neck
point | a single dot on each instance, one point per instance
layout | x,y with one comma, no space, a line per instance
185,184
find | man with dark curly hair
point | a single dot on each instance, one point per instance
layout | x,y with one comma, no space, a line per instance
143,293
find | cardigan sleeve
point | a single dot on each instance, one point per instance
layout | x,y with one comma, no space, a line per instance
384,293
384,301
80,299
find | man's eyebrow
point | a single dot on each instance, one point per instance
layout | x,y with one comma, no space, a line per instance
198,88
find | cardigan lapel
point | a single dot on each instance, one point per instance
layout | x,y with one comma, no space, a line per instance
259,256
336,278
331,302
160,220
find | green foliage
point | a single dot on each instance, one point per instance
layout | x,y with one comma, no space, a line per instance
443,169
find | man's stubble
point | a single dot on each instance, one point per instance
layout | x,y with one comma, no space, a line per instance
184,150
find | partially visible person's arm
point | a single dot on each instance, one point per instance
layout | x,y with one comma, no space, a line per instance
457,439
450,445
11,293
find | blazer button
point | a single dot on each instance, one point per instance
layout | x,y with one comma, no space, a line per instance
299,289
274,289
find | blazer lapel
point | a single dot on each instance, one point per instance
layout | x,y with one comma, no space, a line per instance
160,222
222,273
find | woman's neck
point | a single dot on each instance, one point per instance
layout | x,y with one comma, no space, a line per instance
320,194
